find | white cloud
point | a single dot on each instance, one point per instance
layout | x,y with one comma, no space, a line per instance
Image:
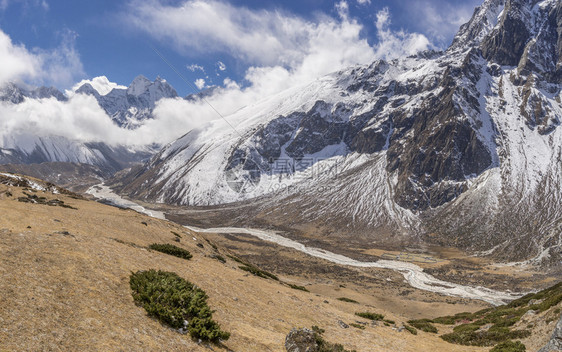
101,84
395,44
221,66
200,83
364,2
441,19
258,37
195,67
282,50
342,8
60,66
17,62
82,119
4,4
289,51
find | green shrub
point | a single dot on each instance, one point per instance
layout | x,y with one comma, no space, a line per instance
177,303
357,326
453,319
236,259
412,330
485,338
318,330
254,270
466,328
509,346
548,303
212,244
325,346
345,299
390,322
423,325
220,258
500,319
370,316
171,250
297,287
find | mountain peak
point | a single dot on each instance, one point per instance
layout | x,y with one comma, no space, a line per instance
139,85
522,33
484,19
528,35
87,89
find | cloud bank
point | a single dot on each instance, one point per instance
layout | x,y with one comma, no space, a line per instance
82,119
101,84
280,49
60,66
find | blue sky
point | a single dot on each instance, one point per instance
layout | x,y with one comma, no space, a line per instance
82,39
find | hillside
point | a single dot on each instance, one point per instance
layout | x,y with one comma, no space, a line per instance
459,148
65,283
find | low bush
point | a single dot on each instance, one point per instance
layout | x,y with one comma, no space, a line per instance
357,326
212,244
423,325
176,302
325,346
509,346
254,270
171,250
345,299
410,329
297,287
220,258
485,338
500,321
370,316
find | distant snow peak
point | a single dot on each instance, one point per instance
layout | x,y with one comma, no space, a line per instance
139,85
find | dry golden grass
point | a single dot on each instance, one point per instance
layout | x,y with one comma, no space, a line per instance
64,286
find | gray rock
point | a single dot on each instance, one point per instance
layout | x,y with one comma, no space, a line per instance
342,324
301,340
555,343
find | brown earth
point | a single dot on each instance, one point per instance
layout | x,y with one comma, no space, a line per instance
64,285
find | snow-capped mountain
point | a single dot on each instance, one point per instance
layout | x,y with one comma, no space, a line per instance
127,107
32,149
15,94
462,147
130,107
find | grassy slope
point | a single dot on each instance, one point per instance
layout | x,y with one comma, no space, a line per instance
64,285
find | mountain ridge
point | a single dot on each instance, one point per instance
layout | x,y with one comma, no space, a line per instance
436,140
128,108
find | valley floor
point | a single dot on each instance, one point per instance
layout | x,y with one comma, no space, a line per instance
64,285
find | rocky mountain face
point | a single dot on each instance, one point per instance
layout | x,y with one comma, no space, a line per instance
130,107
32,149
15,94
462,147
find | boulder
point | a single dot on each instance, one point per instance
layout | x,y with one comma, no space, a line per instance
301,340
555,343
